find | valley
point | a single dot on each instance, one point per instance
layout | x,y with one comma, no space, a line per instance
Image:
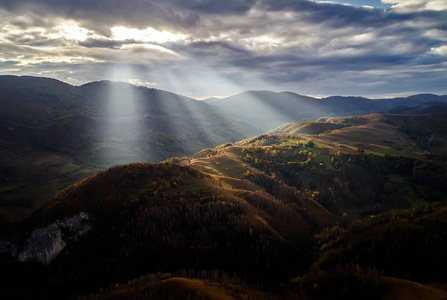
334,206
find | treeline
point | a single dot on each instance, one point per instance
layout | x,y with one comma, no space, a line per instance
261,140
427,131
403,246
188,284
342,281
341,181
180,232
113,190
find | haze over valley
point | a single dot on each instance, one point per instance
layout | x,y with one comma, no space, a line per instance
223,150
228,186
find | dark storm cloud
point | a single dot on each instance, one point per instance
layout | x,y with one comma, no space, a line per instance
337,15
375,54
100,43
203,50
71,7
100,15
277,41
33,38
213,6
8,64
344,15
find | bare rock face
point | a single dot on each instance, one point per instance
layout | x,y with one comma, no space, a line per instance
75,226
45,244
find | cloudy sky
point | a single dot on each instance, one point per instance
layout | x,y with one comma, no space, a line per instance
203,48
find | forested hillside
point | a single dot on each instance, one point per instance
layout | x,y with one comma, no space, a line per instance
53,134
279,216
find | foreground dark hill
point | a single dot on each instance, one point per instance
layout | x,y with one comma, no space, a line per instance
280,216
143,218
53,134
268,110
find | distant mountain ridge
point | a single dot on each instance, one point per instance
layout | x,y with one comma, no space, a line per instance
268,110
211,100
53,134
175,124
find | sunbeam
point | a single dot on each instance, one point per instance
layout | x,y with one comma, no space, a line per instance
145,124
122,106
193,111
197,80
272,109
256,106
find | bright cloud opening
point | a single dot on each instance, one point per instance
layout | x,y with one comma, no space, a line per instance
72,31
139,82
145,47
148,35
417,5
442,51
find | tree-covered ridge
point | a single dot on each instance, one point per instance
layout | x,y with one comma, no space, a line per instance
404,245
342,182
384,133
53,134
149,218
294,213
310,127
116,188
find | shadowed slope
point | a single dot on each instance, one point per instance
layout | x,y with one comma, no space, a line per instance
146,218
404,289
53,134
248,209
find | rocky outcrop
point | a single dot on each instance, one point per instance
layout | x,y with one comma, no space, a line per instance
45,244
